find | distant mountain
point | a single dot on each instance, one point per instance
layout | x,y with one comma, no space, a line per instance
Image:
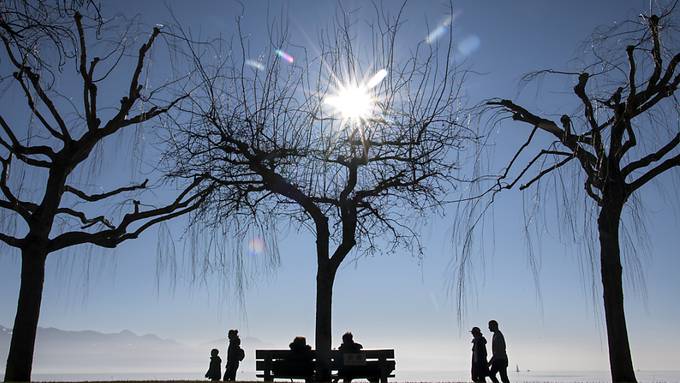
60,351
248,343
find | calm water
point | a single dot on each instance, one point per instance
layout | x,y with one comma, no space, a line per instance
401,376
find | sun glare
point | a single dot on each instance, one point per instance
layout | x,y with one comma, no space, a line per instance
355,102
352,102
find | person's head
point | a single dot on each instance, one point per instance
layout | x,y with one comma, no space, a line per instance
347,337
493,325
232,334
214,352
476,332
298,343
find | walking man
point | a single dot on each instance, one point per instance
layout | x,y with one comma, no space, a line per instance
499,358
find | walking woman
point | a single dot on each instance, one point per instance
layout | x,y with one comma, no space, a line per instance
479,364
235,355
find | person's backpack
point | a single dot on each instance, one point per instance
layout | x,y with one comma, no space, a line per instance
240,354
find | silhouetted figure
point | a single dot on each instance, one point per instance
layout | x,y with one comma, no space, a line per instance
499,358
348,344
353,362
235,354
350,364
480,367
300,361
215,370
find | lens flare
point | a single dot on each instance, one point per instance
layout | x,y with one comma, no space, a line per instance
256,246
255,64
441,29
376,79
284,56
469,45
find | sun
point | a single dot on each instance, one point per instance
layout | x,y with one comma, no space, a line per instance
355,102
352,102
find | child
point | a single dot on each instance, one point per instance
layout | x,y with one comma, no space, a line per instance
215,371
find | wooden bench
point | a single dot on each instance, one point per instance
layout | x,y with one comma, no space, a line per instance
374,365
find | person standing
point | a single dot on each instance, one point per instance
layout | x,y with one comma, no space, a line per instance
215,370
235,355
479,364
499,357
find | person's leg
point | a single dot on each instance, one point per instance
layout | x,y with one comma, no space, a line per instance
479,372
229,372
492,372
504,372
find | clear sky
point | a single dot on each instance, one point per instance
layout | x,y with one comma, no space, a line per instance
393,301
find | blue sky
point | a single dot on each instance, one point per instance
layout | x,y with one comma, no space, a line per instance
394,301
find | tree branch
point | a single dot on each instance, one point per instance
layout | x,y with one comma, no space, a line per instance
546,171
101,196
87,222
13,203
12,241
89,87
662,167
126,103
588,160
114,236
653,157
580,91
35,82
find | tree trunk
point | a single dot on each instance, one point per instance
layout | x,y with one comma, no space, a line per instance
324,297
620,359
20,358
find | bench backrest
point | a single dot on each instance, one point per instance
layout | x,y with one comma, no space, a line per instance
335,354
263,356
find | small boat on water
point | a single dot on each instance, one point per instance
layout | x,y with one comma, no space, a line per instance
516,367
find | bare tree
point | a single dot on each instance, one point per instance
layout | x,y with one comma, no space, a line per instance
354,144
624,135
41,209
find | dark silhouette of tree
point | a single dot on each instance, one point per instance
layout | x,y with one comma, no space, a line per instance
624,136
41,209
283,142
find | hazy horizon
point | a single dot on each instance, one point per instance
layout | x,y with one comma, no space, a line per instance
87,355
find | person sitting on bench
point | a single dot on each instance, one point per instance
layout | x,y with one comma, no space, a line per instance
299,363
349,345
353,361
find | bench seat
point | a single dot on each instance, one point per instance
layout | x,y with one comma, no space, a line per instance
275,364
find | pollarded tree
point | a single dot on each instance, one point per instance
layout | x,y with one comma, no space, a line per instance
624,136
350,144
42,210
